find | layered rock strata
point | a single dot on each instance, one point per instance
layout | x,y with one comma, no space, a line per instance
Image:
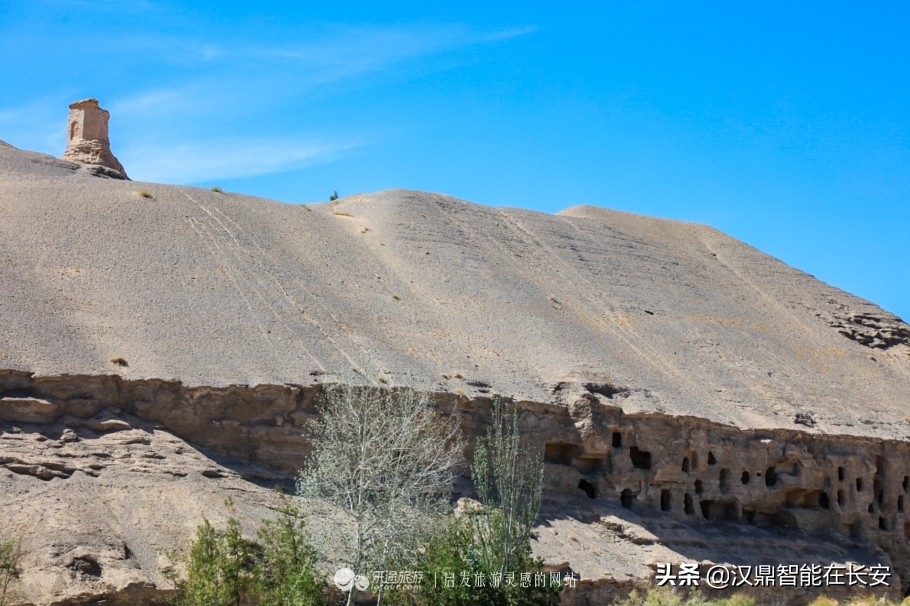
676,488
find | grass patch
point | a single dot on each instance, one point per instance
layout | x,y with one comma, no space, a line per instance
10,554
144,193
217,190
119,361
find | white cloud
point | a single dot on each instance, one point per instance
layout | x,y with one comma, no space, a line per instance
225,158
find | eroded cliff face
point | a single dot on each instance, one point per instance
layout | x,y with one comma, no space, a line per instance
103,477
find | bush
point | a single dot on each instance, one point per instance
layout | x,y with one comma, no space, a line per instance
219,567
286,573
225,569
455,554
490,540
9,570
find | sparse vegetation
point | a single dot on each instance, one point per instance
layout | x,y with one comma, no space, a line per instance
396,297
119,361
217,190
334,196
455,551
490,540
508,477
219,566
388,462
341,213
286,572
10,554
225,569
144,193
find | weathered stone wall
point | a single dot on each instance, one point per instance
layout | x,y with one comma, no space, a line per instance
686,468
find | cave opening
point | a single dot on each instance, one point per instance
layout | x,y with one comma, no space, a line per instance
626,498
640,459
587,488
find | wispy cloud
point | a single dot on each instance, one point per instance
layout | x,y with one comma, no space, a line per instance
225,158
189,107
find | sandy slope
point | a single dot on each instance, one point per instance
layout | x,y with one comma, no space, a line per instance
411,288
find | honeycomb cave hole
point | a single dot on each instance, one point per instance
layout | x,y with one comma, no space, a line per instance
720,511
626,498
560,453
587,488
640,458
745,477
85,565
711,459
617,439
665,497
688,507
770,477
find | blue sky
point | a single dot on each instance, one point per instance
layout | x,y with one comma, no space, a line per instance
785,124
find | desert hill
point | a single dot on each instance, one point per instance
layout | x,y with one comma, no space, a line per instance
409,288
162,348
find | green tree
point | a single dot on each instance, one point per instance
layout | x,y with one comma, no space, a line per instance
388,462
508,477
219,566
286,573
490,540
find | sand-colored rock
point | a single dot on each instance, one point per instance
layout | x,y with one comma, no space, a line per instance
87,139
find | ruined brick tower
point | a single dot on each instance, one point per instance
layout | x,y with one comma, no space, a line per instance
87,139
